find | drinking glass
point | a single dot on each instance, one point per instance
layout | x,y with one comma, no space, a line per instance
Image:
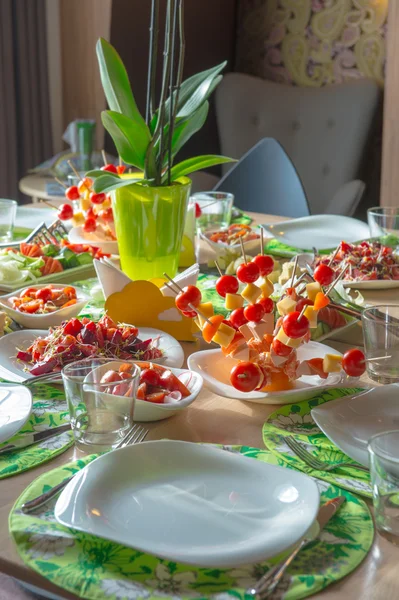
381,342
214,210
384,473
384,224
101,414
8,210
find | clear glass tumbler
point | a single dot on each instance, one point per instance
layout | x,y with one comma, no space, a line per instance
384,224
101,402
213,210
384,472
381,342
8,211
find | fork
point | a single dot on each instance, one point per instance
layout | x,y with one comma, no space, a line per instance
315,463
42,235
136,435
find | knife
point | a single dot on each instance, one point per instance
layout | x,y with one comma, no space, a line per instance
268,583
32,438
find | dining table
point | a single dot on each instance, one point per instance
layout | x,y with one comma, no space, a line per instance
215,419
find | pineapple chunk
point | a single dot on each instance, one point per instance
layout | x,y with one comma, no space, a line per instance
251,293
78,219
311,315
206,309
313,289
233,301
267,288
224,335
332,363
285,306
85,203
284,339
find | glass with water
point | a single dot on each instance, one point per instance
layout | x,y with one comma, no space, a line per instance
8,211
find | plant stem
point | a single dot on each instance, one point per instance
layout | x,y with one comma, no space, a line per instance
171,112
152,61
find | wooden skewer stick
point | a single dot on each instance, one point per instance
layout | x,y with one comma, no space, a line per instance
104,157
294,270
120,161
173,282
377,358
48,203
190,306
218,268
262,243
64,185
302,312
334,255
73,169
243,251
334,283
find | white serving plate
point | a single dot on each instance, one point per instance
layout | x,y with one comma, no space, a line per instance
319,231
351,421
77,236
377,284
13,370
15,409
215,369
48,320
66,276
190,503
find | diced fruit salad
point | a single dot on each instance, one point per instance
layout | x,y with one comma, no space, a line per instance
78,339
33,261
157,384
43,300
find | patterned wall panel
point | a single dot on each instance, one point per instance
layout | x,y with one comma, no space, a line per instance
312,42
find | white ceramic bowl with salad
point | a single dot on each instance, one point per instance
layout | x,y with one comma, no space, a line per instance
49,313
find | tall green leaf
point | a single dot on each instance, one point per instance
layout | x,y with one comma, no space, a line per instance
198,86
108,184
197,163
130,141
186,128
116,85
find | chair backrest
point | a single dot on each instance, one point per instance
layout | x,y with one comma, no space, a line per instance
323,130
345,201
265,180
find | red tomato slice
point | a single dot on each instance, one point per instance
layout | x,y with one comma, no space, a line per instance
156,398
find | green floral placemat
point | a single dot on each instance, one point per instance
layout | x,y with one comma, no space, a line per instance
49,410
295,420
240,218
97,569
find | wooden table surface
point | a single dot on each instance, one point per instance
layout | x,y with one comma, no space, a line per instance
214,419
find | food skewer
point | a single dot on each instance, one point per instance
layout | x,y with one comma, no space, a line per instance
218,268
73,169
64,185
334,255
194,308
334,283
294,271
262,248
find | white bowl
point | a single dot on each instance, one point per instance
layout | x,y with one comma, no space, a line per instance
78,236
251,246
44,321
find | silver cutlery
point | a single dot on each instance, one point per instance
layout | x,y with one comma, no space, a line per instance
315,463
54,377
29,439
136,435
266,585
42,235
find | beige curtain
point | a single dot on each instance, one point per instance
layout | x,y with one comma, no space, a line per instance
25,127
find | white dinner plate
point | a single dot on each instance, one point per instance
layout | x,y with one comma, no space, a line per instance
13,370
15,409
77,236
376,284
319,231
351,421
215,369
190,503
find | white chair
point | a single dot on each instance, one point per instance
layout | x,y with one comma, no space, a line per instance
324,130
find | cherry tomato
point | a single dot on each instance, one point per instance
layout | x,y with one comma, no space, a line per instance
120,169
302,302
238,318
91,214
110,377
254,312
294,325
110,168
189,295
354,362
267,304
106,215
44,294
227,284
72,193
248,272
324,274
150,377
198,211
97,198
65,212
246,376
90,225
265,264
280,349
191,314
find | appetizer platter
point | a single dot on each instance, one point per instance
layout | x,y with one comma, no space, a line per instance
230,239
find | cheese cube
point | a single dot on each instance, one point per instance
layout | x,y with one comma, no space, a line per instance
267,288
313,289
284,339
332,363
263,327
233,301
224,335
287,272
251,293
311,315
274,275
206,309
285,306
